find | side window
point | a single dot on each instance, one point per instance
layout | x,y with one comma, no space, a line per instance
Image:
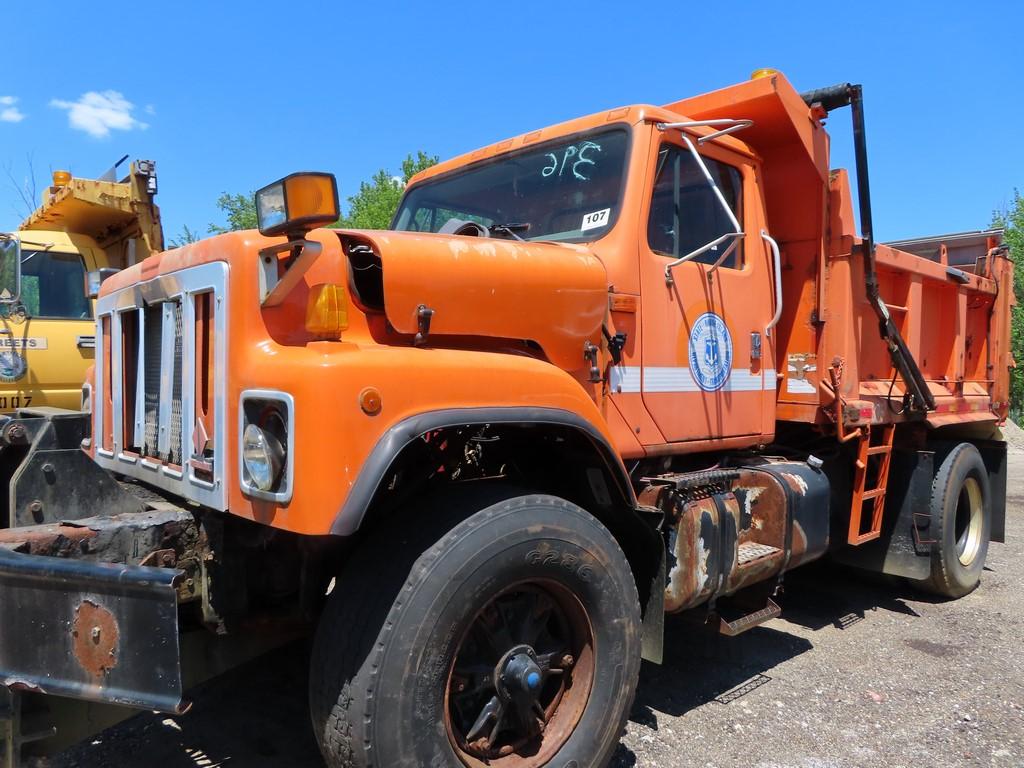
685,212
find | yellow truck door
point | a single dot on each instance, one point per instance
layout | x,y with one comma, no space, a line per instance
46,347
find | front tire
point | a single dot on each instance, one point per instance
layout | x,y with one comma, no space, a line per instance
961,507
511,638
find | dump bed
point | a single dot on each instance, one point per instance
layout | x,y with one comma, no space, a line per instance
950,317
119,215
954,320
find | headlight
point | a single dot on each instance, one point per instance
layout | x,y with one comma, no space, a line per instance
266,445
263,455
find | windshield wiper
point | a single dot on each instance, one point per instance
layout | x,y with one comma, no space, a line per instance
512,230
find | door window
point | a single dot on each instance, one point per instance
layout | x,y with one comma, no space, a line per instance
53,286
685,212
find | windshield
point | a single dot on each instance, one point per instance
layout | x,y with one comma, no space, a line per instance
53,286
568,189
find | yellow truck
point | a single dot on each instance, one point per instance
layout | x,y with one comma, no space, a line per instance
84,230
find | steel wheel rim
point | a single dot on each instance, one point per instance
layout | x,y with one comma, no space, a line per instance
562,648
969,521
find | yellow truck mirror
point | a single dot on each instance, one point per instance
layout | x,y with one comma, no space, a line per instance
10,269
95,279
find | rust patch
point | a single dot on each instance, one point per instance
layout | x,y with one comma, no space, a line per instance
95,636
797,483
54,540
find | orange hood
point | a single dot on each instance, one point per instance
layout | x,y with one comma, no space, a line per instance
555,294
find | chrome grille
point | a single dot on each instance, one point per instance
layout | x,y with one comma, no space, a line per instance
156,336
153,323
175,456
163,383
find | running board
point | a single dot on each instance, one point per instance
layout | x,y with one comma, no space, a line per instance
737,626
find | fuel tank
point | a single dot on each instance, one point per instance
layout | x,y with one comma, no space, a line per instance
739,525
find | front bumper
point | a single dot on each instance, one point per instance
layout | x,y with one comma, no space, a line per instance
94,631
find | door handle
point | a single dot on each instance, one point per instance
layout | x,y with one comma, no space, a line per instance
778,282
85,342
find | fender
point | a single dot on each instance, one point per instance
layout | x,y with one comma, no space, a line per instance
397,437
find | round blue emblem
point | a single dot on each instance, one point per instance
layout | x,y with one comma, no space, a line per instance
710,352
12,365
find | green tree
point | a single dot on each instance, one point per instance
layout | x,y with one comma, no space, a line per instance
240,211
1012,220
184,237
374,205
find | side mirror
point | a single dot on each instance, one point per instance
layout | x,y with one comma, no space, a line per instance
10,269
96,278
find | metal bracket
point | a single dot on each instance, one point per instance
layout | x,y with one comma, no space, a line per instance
424,315
590,355
274,289
615,344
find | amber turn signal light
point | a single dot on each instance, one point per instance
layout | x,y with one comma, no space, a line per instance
297,203
327,310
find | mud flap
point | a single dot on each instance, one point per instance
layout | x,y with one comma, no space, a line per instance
94,631
904,547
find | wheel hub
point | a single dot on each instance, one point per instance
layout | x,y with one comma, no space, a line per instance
518,676
520,679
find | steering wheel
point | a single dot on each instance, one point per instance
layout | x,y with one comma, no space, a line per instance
472,229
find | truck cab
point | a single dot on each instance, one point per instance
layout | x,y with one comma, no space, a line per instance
680,227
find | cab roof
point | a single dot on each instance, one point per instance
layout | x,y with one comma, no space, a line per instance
630,115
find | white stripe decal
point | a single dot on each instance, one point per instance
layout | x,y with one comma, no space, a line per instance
659,379
800,386
625,378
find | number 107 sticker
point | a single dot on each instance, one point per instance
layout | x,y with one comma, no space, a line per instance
595,219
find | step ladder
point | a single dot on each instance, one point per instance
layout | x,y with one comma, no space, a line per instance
881,455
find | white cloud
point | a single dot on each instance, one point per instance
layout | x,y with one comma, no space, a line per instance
9,113
98,113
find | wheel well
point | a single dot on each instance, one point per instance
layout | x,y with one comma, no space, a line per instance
516,458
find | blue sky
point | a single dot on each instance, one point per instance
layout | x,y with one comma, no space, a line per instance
230,96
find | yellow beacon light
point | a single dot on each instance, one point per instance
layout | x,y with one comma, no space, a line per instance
61,178
757,74
327,310
297,203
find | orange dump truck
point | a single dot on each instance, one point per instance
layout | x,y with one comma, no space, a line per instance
636,363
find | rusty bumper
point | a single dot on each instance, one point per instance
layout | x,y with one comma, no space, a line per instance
92,631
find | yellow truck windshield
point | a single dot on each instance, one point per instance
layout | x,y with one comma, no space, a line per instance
53,286
568,189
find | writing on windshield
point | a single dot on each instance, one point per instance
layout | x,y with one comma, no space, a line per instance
569,189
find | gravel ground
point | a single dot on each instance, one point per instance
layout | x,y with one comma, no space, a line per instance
856,673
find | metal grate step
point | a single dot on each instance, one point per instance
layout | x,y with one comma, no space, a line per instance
750,551
750,620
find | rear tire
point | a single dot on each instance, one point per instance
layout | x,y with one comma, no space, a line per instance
961,518
402,673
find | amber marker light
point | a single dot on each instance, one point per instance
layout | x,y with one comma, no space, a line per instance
757,74
61,178
369,401
327,310
297,203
